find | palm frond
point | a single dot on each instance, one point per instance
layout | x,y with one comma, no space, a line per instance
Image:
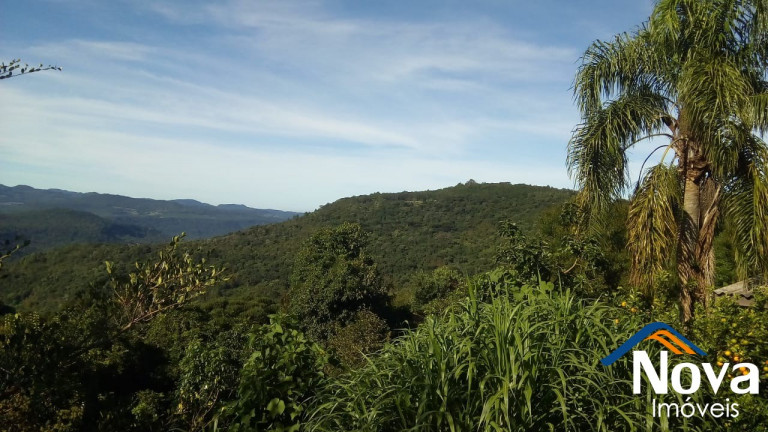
746,208
726,148
623,65
759,104
597,152
757,19
713,89
665,23
688,27
733,138
652,224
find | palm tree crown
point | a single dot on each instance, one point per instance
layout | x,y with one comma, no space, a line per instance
693,75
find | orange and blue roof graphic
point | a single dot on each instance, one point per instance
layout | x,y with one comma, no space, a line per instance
659,332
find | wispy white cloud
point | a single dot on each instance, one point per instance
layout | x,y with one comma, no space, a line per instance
132,164
175,106
265,90
304,33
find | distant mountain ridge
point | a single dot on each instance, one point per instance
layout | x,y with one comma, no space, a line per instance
409,232
54,217
108,205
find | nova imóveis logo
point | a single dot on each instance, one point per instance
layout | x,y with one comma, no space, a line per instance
685,378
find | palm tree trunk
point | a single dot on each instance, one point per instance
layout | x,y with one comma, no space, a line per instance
686,249
695,253
705,252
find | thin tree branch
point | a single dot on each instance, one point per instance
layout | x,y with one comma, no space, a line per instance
645,138
674,104
576,261
640,175
11,75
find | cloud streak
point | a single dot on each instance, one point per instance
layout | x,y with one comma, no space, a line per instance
307,102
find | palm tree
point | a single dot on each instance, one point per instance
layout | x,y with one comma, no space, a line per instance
694,76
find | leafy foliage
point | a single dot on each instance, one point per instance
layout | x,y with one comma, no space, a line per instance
436,285
333,279
734,334
42,377
282,373
208,376
8,250
526,360
590,262
364,335
693,75
87,366
157,287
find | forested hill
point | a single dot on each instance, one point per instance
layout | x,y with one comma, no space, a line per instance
53,217
409,231
454,226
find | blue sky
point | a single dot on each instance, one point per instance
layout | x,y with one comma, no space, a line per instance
293,104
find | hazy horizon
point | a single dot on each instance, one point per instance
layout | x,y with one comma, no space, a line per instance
292,105
265,208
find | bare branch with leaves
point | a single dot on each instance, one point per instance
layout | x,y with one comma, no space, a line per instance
156,287
14,69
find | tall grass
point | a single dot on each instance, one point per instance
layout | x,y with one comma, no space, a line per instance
527,359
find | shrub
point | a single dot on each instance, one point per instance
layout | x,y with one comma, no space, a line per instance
525,360
736,334
208,377
282,373
333,278
365,335
435,286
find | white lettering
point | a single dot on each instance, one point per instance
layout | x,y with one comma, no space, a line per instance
695,378
669,407
641,361
752,376
714,380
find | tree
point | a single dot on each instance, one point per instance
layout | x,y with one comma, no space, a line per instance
333,278
277,381
694,76
88,365
435,285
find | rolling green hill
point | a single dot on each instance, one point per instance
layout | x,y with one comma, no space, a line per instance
132,219
409,231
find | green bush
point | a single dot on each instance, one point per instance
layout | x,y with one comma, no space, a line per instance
735,334
208,378
282,373
525,360
437,285
333,278
364,335
40,379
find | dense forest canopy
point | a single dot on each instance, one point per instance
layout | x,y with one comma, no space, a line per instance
474,307
409,232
